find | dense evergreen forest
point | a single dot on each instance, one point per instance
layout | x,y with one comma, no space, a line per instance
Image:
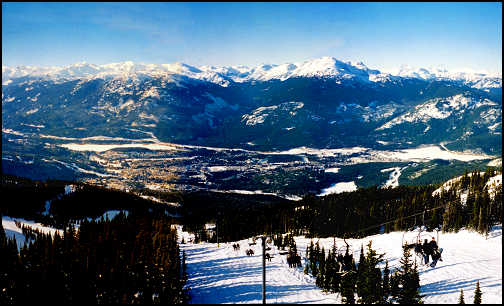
369,211
357,214
338,272
129,259
364,212
25,198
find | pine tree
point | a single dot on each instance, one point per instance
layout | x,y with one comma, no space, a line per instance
370,288
307,268
477,294
386,283
461,297
328,275
409,280
476,209
395,280
347,287
361,274
334,276
362,259
311,261
321,269
315,257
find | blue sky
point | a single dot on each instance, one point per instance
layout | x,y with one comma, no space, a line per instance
382,35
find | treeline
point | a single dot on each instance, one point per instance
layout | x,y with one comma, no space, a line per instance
237,216
365,282
29,199
481,208
25,198
361,213
129,259
373,210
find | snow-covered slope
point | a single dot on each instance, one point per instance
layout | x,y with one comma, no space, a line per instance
441,108
222,275
492,184
320,67
473,79
12,229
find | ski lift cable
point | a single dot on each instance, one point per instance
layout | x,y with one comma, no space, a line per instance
391,221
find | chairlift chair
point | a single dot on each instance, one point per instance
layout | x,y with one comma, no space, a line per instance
413,240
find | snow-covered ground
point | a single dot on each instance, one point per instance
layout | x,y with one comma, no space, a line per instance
393,180
12,230
218,274
339,188
222,275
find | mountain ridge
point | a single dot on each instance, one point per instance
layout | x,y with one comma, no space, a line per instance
225,75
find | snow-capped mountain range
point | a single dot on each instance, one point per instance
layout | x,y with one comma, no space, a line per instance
474,79
321,103
324,67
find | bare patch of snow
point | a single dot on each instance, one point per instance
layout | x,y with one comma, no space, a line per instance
393,180
332,170
339,188
107,147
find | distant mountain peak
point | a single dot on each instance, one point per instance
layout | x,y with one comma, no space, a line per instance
322,67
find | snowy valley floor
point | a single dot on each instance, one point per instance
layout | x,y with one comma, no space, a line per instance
222,275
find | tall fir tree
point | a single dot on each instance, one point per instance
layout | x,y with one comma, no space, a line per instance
321,269
370,288
409,291
386,283
347,287
461,297
477,294
361,273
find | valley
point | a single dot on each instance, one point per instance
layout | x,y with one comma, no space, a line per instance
149,163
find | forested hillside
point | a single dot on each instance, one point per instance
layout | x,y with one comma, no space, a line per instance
365,211
130,259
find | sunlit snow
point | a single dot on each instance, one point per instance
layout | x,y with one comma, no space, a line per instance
218,274
339,188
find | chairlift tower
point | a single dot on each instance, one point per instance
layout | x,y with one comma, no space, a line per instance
263,242
217,227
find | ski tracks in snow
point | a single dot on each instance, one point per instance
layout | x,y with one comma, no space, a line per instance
220,275
467,258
